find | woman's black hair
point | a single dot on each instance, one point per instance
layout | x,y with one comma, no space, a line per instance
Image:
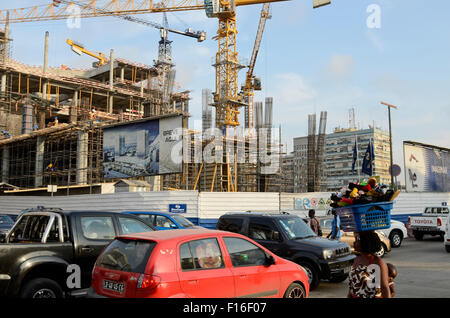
369,242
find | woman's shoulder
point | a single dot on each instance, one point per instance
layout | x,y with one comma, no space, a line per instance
379,261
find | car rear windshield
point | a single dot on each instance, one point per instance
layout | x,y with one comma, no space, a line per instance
183,221
126,255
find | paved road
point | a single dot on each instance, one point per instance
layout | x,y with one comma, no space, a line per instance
423,266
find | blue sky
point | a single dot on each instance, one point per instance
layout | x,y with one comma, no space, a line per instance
310,60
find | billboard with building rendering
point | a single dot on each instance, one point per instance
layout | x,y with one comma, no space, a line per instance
142,148
427,167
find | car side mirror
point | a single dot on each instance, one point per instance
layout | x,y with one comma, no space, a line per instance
269,260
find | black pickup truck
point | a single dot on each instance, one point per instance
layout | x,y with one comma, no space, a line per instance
50,253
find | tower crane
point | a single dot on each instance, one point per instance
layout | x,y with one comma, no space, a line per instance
226,98
251,82
164,62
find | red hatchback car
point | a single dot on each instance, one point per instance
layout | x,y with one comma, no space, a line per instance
194,264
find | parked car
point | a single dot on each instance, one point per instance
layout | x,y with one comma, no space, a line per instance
42,244
349,237
396,233
432,222
290,237
6,223
447,236
194,263
165,221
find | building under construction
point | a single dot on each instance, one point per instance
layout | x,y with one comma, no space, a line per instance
52,119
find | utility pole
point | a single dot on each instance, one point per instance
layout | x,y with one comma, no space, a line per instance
389,106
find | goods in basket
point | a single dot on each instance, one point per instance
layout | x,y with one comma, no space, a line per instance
364,192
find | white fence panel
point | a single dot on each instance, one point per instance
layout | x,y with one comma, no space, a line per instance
214,204
116,202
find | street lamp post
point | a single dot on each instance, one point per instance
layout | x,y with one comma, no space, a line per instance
389,106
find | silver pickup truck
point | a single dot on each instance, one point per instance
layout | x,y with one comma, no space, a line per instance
432,222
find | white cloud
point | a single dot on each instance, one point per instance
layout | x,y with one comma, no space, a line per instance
340,66
292,89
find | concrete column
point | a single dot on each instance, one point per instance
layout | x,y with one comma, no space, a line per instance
39,169
5,164
45,68
122,74
111,82
5,53
82,157
74,108
46,52
41,123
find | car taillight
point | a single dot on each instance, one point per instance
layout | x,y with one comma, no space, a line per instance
439,222
409,220
148,281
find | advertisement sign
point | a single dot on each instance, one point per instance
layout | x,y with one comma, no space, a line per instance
142,148
427,168
317,202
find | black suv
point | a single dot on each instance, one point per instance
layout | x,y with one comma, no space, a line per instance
290,237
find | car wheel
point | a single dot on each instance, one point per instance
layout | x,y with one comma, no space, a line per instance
42,288
396,238
447,248
381,252
295,290
313,274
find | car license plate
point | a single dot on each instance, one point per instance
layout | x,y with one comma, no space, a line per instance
114,286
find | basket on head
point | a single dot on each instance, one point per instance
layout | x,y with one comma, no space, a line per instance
365,217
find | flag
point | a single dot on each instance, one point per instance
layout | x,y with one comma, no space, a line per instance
355,157
367,165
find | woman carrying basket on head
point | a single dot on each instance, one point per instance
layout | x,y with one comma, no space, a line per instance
369,277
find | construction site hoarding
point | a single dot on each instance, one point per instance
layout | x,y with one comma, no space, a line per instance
426,167
142,148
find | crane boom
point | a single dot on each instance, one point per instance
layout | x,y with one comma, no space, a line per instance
265,14
79,49
60,10
199,35
249,85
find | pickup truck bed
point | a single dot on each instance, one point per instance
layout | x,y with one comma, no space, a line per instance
431,222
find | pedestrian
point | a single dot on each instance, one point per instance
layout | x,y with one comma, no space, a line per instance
392,272
335,233
369,276
314,223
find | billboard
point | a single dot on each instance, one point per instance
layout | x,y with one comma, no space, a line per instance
426,167
142,148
